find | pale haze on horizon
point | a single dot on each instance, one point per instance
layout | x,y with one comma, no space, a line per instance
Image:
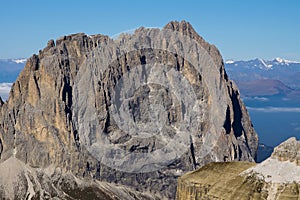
241,30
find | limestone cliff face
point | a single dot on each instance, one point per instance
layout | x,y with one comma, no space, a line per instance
288,151
276,178
138,110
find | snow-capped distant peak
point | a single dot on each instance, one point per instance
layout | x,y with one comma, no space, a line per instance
265,64
280,60
283,61
21,60
229,61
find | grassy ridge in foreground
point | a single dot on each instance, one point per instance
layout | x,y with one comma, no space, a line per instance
223,181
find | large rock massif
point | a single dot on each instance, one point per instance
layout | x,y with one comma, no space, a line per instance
276,178
139,110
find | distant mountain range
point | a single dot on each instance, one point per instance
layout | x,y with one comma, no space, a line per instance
10,69
277,78
271,91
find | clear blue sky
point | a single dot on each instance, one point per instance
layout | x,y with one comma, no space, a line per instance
240,29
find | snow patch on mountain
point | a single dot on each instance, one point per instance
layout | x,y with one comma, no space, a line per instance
284,61
268,64
21,60
229,61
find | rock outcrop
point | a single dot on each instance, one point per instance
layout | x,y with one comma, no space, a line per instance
20,181
288,151
276,178
139,110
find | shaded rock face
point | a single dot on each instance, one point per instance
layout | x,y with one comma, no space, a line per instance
276,178
139,110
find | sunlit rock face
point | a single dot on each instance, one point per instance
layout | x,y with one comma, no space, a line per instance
138,110
278,177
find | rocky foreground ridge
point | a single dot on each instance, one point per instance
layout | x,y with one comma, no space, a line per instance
139,110
21,181
276,178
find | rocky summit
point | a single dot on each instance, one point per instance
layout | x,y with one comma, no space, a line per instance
276,178
136,111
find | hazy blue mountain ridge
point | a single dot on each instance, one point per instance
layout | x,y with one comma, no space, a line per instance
288,72
10,69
